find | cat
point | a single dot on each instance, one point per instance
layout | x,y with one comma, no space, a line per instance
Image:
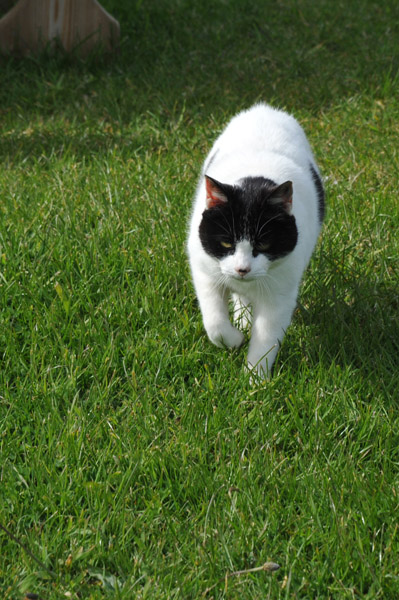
256,217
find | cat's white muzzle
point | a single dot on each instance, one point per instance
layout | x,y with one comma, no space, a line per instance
243,265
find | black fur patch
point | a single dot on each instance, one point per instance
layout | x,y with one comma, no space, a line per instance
320,192
249,214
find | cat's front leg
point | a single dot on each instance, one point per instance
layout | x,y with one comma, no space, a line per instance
261,357
268,330
213,302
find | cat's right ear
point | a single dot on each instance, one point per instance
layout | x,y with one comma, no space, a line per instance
283,195
215,196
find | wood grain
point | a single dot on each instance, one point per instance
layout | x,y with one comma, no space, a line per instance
31,24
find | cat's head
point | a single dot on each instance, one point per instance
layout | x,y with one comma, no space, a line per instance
248,226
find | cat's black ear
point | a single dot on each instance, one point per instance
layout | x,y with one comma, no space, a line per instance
283,195
215,194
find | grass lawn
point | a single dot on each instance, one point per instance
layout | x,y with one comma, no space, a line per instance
136,460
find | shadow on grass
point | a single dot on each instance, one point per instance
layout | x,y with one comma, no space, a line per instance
213,56
360,330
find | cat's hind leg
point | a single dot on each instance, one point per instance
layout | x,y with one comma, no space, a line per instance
241,311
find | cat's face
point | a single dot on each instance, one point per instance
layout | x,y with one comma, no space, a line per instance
249,226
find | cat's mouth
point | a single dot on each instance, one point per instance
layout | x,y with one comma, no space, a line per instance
243,277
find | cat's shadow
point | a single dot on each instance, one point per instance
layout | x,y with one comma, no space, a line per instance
357,328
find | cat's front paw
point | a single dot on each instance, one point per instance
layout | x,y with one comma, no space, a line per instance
258,372
225,335
260,366
261,358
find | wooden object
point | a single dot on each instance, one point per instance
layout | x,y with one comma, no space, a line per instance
6,5
31,24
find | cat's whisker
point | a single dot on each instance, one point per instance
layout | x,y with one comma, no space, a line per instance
258,222
232,215
259,232
270,278
220,282
264,288
228,231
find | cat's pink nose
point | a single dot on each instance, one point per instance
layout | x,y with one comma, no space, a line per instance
243,270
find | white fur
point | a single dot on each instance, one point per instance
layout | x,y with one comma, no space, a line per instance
261,141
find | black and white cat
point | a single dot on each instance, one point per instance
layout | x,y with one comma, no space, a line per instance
257,214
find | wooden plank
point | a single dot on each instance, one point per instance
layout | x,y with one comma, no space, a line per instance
31,24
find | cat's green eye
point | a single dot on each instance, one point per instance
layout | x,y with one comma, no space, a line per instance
226,244
264,247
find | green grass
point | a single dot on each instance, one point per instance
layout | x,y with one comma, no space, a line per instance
136,461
